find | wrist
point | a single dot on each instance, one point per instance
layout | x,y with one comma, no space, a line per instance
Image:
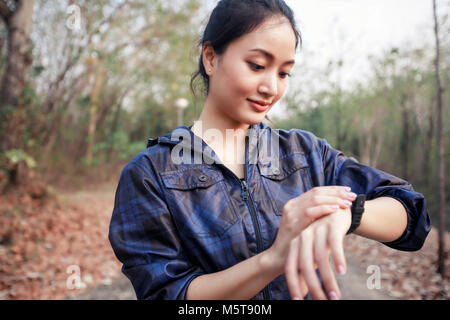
271,262
348,216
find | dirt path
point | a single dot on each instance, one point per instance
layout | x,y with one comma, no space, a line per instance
353,284
119,289
117,286
46,241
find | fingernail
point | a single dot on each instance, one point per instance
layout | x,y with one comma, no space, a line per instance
347,188
333,295
295,298
352,195
340,269
347,203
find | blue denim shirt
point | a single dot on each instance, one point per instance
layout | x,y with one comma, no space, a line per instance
175,221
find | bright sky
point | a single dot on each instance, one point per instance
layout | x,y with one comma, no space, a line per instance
357,28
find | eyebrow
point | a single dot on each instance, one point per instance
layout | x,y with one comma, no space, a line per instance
271,56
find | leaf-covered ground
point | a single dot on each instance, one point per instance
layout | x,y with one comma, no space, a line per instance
43,243
404,275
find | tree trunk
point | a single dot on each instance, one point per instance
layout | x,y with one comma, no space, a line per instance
99,77
427,152
440,148
377,151
18,24
56,125
2,43
114,128
405,137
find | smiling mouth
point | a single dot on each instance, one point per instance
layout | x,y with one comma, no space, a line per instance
257,106
262,104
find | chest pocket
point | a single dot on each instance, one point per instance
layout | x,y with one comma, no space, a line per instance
288,180
200,202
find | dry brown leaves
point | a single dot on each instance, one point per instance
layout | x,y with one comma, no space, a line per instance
39,241
404,275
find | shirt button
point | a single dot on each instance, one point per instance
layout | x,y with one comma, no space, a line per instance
202,178
276,171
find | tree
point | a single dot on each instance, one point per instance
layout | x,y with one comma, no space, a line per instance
17,16
440,144
97,74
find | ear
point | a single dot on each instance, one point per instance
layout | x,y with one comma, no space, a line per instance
208,58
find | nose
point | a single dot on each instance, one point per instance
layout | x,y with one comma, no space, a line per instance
269,85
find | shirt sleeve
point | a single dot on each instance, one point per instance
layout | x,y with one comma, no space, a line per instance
347,171
145,239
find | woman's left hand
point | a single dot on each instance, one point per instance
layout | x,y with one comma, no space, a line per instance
311,249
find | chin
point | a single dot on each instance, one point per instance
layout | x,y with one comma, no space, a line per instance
255,119
251,117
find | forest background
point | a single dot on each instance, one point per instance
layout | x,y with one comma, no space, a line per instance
85,83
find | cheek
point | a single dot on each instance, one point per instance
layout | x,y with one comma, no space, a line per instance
240,80
281,90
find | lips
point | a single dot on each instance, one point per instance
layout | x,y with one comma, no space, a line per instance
261,103
259,106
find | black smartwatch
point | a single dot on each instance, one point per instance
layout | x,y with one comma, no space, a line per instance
357,212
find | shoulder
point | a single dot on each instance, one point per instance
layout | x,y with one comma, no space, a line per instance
156,157
296,140
137,168
300,136
147,162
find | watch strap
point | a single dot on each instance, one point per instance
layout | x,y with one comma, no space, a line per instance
357,212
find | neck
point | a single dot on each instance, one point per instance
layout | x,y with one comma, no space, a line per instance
230,146
212,118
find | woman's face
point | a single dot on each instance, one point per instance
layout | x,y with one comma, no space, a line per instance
254,68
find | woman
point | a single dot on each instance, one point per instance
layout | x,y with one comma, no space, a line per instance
219,222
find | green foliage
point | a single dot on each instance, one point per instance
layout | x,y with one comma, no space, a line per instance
84,101
17,155
37,70
29,96
119,145
6,112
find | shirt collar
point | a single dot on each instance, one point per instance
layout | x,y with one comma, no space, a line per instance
189,141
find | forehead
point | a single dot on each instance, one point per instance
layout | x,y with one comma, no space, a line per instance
274,35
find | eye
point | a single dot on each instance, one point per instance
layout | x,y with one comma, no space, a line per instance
255,66
284,74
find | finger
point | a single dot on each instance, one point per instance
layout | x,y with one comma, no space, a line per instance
337,191
307,266
336,243
292,271
318,200
322,256
319,211
302,284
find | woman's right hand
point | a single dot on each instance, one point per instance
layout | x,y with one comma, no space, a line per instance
300,212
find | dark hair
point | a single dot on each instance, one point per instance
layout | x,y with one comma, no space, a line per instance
232,19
